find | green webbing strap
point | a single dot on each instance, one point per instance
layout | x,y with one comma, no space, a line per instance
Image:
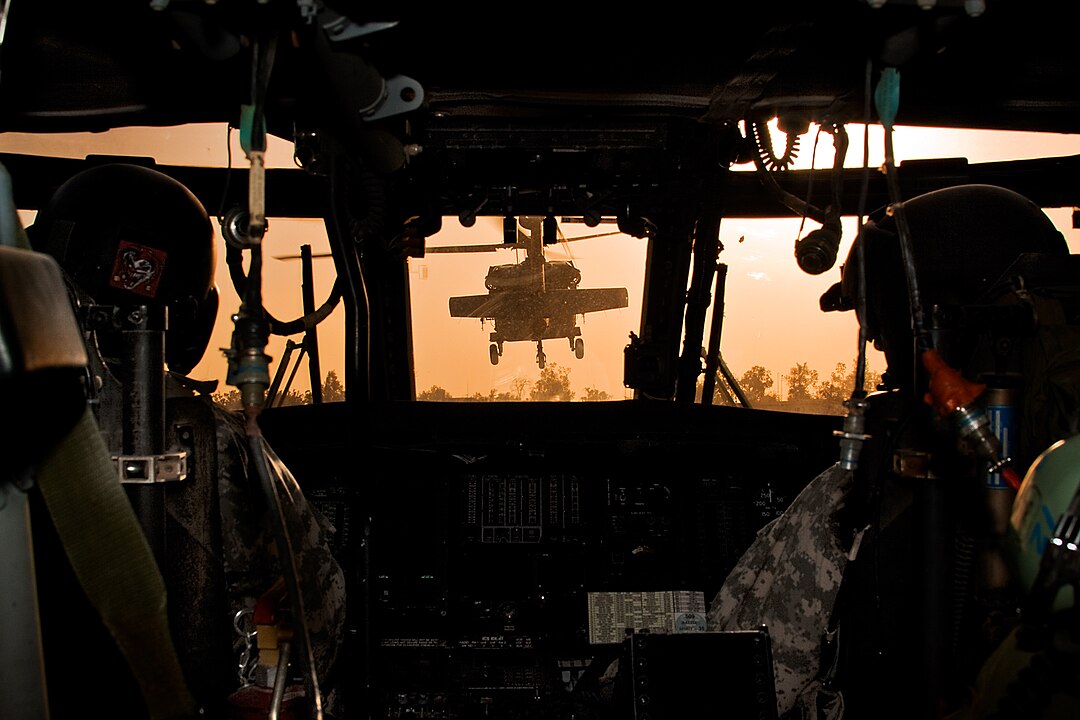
113,562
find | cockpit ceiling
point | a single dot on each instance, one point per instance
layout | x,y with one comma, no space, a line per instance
90,66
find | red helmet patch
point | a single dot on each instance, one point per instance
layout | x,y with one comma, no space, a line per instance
138,268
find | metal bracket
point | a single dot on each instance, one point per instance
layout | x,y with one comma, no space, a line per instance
912,464
149,469
402,95
338,27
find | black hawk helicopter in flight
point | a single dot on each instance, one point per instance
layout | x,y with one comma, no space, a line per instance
536,299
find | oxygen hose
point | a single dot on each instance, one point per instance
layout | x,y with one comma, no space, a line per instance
952,396
234,241
249,373
887,101
262,457
949,393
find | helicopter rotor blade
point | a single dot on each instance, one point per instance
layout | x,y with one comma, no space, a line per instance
492,247
472,248
587,237
297,257
430,250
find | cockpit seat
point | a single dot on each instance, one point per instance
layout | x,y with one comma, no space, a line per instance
82,592
41,359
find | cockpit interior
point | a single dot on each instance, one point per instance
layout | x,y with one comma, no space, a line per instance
366,362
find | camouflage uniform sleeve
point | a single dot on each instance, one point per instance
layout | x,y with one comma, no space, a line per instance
250,554
787,580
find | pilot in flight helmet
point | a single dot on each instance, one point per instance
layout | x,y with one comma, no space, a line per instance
963,239
128,235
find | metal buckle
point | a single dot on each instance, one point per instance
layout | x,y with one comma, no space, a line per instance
148,469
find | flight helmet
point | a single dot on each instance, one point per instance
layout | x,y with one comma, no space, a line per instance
1049,488
963,239
129,235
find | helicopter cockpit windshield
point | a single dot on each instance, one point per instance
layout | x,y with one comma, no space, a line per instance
448,351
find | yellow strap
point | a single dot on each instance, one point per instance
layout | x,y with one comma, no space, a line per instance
114,564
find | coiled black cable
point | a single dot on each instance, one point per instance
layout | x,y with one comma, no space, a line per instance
234,259
763,147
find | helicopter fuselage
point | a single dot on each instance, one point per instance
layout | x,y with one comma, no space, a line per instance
532,276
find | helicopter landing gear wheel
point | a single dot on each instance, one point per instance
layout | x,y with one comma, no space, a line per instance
579,348
493,353
541,358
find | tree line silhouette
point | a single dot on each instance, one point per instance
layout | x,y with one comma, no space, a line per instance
804,390
553,385
332,391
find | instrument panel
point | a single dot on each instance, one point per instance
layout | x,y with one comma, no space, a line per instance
502,559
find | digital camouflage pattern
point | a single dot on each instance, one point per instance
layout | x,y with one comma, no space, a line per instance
788,580
250,554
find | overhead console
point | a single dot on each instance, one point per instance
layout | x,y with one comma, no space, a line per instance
505,556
